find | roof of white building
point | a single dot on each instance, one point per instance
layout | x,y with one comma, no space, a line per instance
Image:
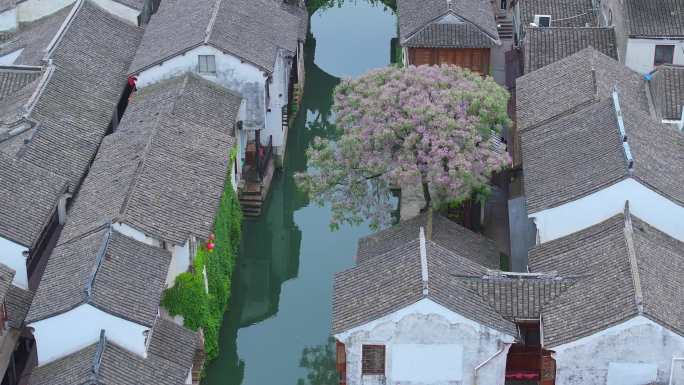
164,170
55,117
543,46
667,89
564,13
573,146
105,269
168,362
628,268
468,23
393,273
654,18
253,30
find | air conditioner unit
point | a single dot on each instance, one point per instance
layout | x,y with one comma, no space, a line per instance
542,20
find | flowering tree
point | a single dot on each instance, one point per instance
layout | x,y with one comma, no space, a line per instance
424,125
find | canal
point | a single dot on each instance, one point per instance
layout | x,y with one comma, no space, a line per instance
276,331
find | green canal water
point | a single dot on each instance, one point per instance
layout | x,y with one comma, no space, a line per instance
276,331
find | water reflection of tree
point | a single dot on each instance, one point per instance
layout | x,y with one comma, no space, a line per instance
320,363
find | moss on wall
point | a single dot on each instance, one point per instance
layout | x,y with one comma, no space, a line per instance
188,296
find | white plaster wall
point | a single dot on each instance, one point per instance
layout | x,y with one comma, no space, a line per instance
10,58
31,10
231,73
278,98
120,10
585,212
641,52
80,327
427,323
11,254
180,261
135,234
8,20
636,341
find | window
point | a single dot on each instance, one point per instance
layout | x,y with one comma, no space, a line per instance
664,54
207,64
542,20
373,359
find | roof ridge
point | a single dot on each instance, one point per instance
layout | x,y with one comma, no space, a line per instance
423,262
212,21
49,50
97,358
98,262
633,263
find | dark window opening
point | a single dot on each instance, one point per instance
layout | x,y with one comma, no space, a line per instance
373,359
664,54
207,64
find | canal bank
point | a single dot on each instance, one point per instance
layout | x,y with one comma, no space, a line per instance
277,327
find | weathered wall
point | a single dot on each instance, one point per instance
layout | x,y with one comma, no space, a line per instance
69,332
8,20
427,323
120,10
630,347
612,14
585,212
31,10
641,52
11,255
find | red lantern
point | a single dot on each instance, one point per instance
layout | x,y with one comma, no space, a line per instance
210,246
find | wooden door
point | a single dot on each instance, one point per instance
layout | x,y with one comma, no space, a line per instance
548,370
341,363
475,59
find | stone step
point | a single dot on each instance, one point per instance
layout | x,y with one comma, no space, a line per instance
250,203
250,197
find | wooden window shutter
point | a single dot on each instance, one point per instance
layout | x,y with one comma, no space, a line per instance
373,359
342,363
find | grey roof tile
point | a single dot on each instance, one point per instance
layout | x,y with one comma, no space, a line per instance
571,84
416,15
440,230
117,365
6,277
253,30
30,195
126,280
543,46
18,301
606,293
564,13
667,89
34,38
654,18
164,169
388,276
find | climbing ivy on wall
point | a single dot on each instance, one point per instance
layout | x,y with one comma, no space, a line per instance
188,296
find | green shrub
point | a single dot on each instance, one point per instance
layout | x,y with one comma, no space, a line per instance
188,296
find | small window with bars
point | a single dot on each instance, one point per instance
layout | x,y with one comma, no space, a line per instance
373,360
207,64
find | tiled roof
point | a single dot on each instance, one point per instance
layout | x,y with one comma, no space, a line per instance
388,276
667,89
6,276
164,169
572,83
7,4
579,154
477,15
34,38
30,195
105,363
544,46
14,79
463,35
519,297
18,301
627,268
106,269
655,18
253,30
441,231
564,13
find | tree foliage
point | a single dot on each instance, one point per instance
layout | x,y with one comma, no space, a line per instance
422,125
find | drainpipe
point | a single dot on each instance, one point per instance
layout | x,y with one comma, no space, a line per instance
503,349
672,369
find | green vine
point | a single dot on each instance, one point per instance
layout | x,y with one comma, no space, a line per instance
188,296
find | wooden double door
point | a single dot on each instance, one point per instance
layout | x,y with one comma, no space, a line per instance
476,59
